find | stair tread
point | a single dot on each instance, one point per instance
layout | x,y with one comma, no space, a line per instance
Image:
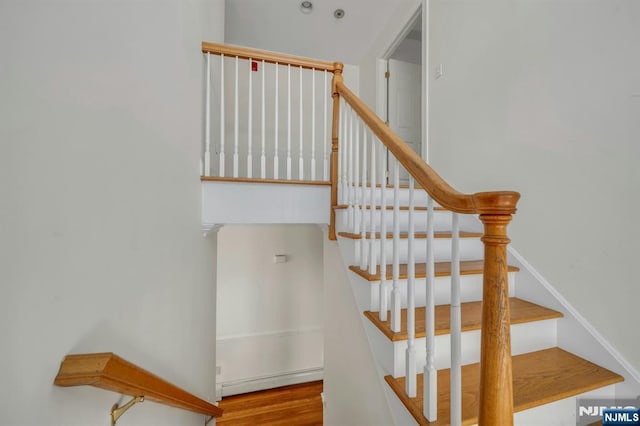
521,312
417,235
368,207
539,378
263,180
442,269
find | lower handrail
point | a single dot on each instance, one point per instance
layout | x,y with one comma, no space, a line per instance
110,372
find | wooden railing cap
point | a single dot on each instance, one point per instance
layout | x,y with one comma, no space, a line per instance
496,202
267,56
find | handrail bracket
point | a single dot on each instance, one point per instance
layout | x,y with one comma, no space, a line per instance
118,411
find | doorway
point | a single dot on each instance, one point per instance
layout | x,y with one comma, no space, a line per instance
404,99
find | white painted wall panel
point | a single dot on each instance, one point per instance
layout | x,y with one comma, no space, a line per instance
542,98
101,250
250,203
270,315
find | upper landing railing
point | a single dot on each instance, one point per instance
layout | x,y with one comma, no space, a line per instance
354,150
269,114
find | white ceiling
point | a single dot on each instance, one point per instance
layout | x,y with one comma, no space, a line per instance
280,26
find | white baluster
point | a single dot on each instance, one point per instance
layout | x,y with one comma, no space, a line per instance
313,124
236,125
344,144
395,293
276,165
430,382
341,149
350,171
222,123
327,142
383,238
372,211
356,182
289,122
410,360
250,123
456,323
301,156
363,228
207,121
263,156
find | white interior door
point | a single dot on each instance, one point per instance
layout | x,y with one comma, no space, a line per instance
404,96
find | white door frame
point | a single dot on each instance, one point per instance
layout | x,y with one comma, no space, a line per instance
421,9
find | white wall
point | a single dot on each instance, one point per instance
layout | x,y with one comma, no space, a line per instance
397,22
353,389
101,249
409,50
270,315
544,98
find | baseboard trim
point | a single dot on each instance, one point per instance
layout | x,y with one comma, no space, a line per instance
253,384
278,333
581,319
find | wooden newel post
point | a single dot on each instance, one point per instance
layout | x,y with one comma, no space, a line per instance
335,126
496,386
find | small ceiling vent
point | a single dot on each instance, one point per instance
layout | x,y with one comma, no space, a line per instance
338,13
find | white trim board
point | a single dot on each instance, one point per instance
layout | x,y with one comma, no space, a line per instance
278,333
253,384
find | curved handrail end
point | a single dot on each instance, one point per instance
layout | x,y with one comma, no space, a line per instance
496,202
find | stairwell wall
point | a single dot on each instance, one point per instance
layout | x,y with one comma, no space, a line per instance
270,315
101,247
544,98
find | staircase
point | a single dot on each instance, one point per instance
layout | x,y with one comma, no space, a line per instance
542,372
455,338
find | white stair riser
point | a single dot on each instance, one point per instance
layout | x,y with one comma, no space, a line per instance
441,220
420,196
470,249
525,338
368,292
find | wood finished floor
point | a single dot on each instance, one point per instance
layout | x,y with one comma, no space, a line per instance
298,405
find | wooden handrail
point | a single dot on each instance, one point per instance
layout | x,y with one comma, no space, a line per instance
109,371
495,210
264,55
497,202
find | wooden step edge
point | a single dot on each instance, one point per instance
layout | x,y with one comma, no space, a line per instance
368,207
521,311
442,269
417,235
259,180
389,185
539,378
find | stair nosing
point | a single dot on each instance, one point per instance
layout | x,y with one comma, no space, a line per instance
400,336
390,207
404,235
475,267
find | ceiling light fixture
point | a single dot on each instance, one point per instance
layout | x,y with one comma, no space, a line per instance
306,7
338,13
